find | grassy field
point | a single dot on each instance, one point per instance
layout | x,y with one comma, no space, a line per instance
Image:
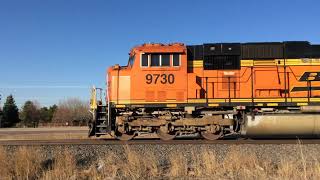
31,163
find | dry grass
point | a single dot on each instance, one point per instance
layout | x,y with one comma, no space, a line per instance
22,164
132,165
30,163
63,167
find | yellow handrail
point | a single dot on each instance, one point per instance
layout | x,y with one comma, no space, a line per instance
93,98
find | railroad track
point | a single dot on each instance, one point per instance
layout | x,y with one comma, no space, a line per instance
151,141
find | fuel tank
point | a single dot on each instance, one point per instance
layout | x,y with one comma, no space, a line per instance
286,126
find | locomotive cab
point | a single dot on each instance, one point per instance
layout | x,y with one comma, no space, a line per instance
155,74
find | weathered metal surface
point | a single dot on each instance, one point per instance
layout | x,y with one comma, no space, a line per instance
282,125
310,109
219,112
148,122
209,120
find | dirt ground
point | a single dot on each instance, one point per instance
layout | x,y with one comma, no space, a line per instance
43,133
52,133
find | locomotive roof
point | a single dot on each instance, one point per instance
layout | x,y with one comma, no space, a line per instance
160,48
256,50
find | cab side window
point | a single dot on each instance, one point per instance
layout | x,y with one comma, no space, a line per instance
165,60
155,60
144,60
176,60
160,60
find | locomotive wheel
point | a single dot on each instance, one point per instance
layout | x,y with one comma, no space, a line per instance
164,135
124,137
211,136
123,133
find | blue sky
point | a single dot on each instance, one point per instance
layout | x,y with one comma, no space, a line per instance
54,49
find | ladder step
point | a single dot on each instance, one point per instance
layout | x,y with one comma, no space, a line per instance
99,126
101,133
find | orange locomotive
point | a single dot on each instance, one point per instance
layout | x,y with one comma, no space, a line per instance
212,89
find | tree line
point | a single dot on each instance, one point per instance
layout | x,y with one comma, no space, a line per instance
70,112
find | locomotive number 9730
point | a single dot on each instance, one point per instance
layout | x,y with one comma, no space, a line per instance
160,78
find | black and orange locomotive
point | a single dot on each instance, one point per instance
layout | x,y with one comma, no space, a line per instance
214,89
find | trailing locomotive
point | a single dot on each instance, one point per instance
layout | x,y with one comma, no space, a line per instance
215,90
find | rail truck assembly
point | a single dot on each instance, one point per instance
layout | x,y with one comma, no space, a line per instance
262,89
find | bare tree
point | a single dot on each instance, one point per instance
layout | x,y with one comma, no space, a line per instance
72,111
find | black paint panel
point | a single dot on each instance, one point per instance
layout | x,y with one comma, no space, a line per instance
260,50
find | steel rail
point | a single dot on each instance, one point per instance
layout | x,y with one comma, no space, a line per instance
152,142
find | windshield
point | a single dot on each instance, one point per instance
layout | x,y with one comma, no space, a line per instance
131,60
